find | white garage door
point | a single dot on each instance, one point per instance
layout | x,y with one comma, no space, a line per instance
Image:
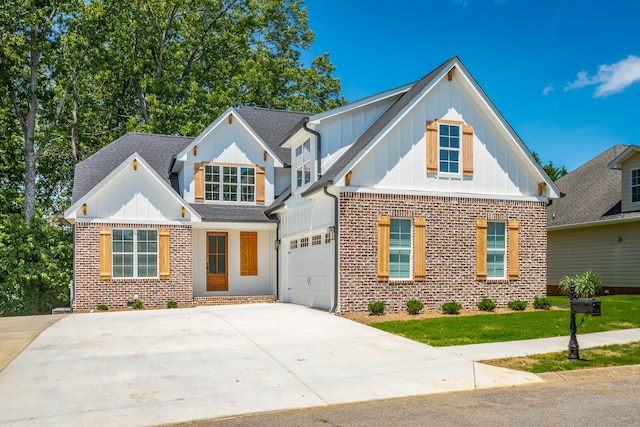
308,272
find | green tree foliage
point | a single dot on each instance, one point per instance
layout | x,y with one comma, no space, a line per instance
555,173
35,265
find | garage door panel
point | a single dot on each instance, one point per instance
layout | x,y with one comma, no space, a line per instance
309,276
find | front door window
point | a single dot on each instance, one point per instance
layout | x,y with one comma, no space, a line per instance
217,262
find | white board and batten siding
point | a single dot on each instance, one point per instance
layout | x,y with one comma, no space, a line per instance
398,160
228,143
134,196
261,284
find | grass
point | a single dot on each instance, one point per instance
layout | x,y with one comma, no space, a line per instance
618,312
611,355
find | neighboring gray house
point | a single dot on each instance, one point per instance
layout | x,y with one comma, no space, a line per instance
596,224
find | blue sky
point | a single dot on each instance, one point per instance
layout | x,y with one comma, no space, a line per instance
565,74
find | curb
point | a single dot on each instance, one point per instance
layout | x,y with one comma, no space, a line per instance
591,374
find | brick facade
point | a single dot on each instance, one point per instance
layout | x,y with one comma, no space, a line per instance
117,293
450,251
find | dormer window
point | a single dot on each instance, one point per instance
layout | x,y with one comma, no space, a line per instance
303,163
635,185
229,183
449,148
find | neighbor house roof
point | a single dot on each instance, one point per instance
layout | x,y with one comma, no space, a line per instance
272,126
592,193
156,150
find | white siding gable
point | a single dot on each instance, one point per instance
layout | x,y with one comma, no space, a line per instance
398,160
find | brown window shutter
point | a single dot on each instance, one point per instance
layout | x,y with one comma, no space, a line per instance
259,185
198,179
384,228
164,254
248,253
419,247
467,150
105,253
513,254
432,147
481,249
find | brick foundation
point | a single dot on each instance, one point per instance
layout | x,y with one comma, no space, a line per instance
117,293
450,251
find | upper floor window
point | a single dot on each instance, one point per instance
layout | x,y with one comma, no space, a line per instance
229,183
303,163
635,185
135,253
449,148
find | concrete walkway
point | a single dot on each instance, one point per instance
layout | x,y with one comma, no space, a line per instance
168,366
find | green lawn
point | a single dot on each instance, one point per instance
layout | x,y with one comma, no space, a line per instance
618,312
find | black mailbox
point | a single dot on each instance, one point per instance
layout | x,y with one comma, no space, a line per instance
582,306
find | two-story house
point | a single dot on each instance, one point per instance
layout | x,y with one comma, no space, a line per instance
420,192
596,224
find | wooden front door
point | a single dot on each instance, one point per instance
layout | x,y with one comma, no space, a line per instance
217,261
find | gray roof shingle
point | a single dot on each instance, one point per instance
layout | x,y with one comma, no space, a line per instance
592,193
231,213
156,150
272,126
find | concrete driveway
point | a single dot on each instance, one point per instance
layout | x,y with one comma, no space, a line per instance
167,366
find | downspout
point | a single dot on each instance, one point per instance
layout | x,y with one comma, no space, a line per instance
335,249
277,259
318,145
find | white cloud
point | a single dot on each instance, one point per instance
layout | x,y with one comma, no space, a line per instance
610,79
547,90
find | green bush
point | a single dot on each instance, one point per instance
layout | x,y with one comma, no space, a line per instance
172,304
517,305
376,307
542,303
587,284
451,307
414,306
486,304
102,307
137,305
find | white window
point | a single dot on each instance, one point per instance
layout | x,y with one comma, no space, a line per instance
496,249
135,253
303,163
449,148
635,185
400,249
229,183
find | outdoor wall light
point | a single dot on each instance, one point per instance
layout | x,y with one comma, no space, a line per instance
277,244
331,232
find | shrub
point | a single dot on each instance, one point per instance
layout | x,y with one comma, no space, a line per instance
172,304
414,306
517,305
486,304
137,305
451,307
376,307
102,307
542,303
587,284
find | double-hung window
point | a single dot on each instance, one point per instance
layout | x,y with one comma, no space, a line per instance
400,249
303,163
449,148
135,253
229,183
496,250
635,185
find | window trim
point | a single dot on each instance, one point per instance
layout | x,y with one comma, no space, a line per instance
457,150
134,253
408,249
632,186
303,165
238,184
502,250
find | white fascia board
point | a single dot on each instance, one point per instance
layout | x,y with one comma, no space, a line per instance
593,223
515,198
554,192
622,157
182,156
315,119
223,225
69,214
296,136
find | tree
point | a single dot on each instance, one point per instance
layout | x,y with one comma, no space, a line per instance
555,173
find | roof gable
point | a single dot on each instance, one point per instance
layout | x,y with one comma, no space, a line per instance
624,156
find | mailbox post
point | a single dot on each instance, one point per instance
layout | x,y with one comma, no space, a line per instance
591,307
